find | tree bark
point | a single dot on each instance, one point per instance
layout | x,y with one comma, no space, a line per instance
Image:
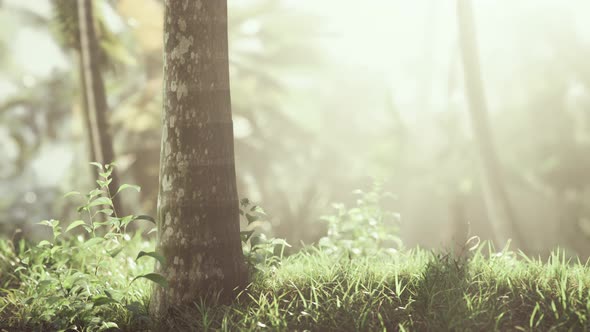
500,213
86,116
198,216
94,95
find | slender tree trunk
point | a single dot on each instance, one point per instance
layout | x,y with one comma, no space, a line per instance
85,114
500,211
198,220
87,123
94,94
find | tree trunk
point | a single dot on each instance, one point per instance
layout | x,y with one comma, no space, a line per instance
498,205
198,219
94,95
86,116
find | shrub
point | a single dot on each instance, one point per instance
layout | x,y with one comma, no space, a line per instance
82,276
363,230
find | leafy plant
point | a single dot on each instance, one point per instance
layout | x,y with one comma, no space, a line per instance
259,251
364,229
72,279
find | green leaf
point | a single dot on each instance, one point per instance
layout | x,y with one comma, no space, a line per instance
258,209
244,202
45,223
280,242
71,193
43,243
75,224
43,284
104,184
73,279
126,220
106,174
94,193
51,223
115,251
55,249
52,300
102,300
127,186
251,218
155,277
145,217
153,254
106,212
69,328
101,201
108,325
93,241
98,165
97,224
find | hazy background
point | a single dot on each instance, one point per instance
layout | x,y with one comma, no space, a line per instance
327,95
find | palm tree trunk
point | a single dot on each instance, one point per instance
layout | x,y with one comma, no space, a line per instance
198,219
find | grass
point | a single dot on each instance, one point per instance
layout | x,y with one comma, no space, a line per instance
414,290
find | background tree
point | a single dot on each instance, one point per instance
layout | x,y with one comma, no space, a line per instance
286,142
498,206
198,220
94,95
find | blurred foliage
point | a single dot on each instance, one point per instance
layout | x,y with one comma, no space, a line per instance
364,230
64,25
267,144
301,140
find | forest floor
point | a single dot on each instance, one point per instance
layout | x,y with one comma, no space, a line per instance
413,290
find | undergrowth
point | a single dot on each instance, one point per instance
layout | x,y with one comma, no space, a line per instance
93,276
416,290
83,275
